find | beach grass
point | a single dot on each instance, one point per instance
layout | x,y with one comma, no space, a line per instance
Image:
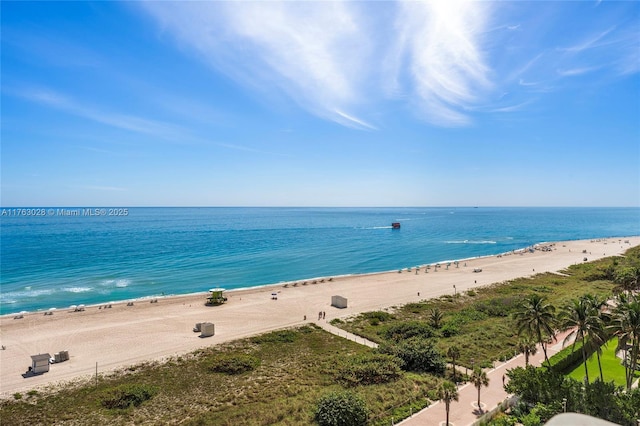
279,378
479,321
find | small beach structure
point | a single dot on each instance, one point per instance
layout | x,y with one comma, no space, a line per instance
339,302
39,363
61,356
216,297
207,329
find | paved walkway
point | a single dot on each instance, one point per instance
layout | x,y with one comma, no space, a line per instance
349,336
465,410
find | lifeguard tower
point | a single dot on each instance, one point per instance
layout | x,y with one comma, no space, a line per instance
216,297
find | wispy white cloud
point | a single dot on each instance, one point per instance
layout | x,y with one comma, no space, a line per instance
591,41
312,51
339,60
158,129
521,82
507,108
332,57
441,40
614,48
576,71
68,104
100,188
351,121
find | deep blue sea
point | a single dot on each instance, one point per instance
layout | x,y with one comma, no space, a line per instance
55,260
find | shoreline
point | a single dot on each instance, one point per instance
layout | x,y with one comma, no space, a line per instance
144,331
291,282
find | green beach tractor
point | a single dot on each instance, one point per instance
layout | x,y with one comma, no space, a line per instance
216,297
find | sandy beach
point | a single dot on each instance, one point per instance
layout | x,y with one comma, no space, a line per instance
124,335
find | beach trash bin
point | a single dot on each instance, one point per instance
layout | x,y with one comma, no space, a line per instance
207,329
196,329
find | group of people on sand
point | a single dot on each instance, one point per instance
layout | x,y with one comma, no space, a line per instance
321,315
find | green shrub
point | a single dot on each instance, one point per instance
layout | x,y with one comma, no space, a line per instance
341,409
498,307
415,308
370,369
280,336
417,354
449,330
407,330
467,315
380,316
125,396
502,419
531,419
233,364
17,395
544,412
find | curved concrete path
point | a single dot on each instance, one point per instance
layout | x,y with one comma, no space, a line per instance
465,411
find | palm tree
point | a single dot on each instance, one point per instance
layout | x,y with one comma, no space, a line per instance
436,317
598,336
454,353
479,378
583,317
447,392
627,278
535,317
527,346
625,324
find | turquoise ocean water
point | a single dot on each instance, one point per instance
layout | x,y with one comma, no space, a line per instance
57,260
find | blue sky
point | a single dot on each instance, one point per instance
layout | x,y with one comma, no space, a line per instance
320,103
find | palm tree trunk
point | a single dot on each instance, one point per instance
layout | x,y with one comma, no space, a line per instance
479,407
447,409
635,347
526,358
625,361
600,365
544,348
584,359
454,369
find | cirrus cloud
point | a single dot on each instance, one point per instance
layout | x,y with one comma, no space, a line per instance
335,59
